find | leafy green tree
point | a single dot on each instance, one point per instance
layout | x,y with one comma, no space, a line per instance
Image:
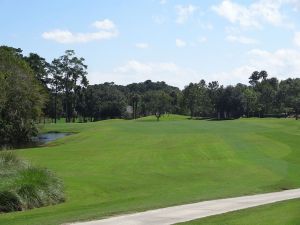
175,102
190,96
91,101
105,101
56,88
81,102
256,77
266,90
40,68
15,51
134,99
21,99
65,83
72,72
267,94
158,103
290,94
213,94
196,98
250,101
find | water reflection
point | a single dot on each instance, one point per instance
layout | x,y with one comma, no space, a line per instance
48,137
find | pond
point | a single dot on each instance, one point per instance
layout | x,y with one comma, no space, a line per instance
39,140
48,137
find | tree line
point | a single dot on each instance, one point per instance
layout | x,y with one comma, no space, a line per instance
33,90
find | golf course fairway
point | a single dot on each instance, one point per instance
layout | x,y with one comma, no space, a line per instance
120,166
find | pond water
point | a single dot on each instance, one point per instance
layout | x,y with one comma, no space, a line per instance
48,137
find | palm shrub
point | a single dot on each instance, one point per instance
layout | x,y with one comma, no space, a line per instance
38,187
23,186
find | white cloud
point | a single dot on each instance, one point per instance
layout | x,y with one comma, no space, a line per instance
184,13
159,19
180,43
282,63
202,39
241,39
234,76
137,71
270,11
147,68
236,13
67,37
233,30
107,30
137,67
295,4
297,38
254,15
206,26
104,24
142,45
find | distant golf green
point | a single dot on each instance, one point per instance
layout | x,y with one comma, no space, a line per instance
282,213
119,166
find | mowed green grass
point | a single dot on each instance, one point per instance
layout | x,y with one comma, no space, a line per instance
119,166
282,213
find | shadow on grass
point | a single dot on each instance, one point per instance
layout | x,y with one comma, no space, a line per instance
211,119
187,118
146,121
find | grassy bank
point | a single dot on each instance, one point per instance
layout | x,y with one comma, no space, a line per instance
286,213
118,166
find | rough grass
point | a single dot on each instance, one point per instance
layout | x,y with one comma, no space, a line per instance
117,166
25,187
282,213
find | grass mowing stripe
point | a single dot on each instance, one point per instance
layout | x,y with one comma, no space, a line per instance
117,166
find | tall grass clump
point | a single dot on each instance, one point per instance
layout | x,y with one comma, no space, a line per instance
23,186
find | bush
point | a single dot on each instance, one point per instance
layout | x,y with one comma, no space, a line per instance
9,202
38,187
10,163
25,187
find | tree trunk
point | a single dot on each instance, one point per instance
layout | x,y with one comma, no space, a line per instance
135,111
55,104
192,113
157,116
67,98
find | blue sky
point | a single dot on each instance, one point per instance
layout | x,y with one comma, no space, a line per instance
174,41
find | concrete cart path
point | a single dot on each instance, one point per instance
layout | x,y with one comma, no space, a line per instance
183,213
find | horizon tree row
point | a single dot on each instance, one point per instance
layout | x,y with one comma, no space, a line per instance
33,90
264,97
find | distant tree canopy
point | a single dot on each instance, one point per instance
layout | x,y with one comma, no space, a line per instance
32,88
105,101
264,97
